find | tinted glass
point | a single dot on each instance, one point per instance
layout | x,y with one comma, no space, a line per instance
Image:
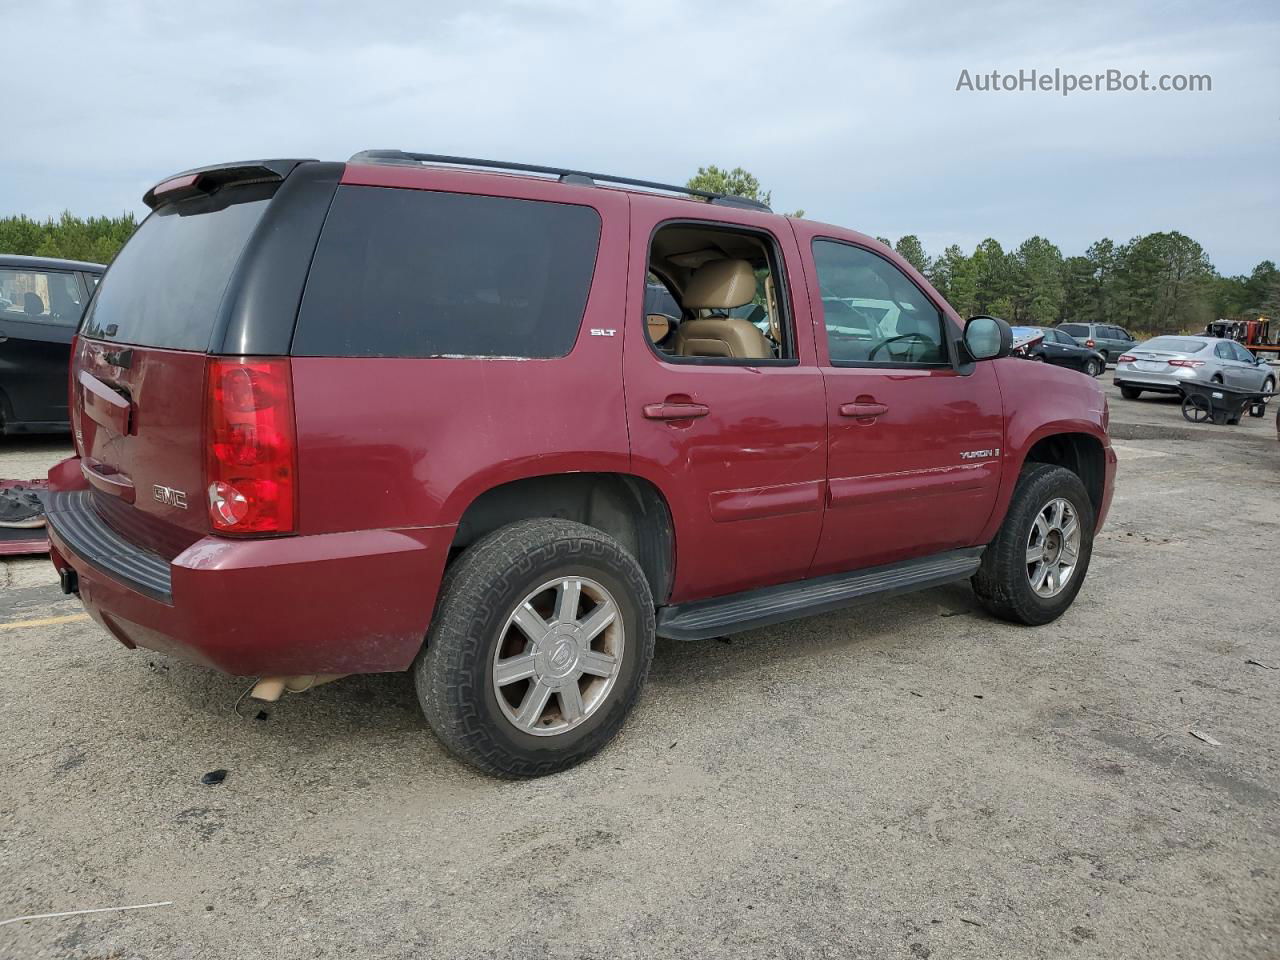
165,287
35,296
1243,355
873,313
413,273
1174,345
1075,329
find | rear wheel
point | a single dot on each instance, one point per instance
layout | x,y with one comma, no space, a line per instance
538,650
1130,393
1034,568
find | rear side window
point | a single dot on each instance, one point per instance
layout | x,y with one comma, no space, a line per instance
165,287
34,296
1075,329
414,273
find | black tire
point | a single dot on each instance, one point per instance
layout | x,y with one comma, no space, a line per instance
1093,367
1269,385
480,590
1001,583
1130,393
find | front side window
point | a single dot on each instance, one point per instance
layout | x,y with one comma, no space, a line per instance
418,273
37,296
873,313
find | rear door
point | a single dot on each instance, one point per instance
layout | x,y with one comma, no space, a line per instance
139,371
39,310
914,440
737,445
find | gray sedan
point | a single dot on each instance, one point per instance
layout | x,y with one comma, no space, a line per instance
1162,365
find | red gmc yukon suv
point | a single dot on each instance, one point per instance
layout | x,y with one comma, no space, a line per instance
409,413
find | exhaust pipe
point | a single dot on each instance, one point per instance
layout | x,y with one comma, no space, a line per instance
270,689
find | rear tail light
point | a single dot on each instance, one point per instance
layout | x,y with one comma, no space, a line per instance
252,472
1090,343
1186,363
1127,358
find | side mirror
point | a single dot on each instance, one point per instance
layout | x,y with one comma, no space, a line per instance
987,338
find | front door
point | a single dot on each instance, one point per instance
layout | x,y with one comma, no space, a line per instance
914,438
729,423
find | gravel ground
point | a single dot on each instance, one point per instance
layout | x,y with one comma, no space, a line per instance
906,779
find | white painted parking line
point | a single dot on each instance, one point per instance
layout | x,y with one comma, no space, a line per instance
44,622
1124,452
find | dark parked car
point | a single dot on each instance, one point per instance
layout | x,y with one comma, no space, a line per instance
1109,340
41,300
1062,350
391,415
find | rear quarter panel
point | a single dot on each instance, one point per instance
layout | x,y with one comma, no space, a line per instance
1039,401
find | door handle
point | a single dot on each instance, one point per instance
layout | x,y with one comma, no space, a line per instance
863,409
675,411
107,479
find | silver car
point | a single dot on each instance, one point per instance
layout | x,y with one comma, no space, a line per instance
1162,365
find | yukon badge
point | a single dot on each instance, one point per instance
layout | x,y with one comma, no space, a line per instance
169,496
979,454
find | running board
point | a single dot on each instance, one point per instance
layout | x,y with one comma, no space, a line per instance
736,612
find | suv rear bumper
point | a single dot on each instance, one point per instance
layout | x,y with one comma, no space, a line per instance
357,602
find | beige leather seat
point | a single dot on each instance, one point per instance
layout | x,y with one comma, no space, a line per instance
717,286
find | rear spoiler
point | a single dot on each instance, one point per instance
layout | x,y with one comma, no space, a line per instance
206,180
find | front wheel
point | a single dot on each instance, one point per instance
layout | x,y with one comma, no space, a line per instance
540,644
1033,569
1093,367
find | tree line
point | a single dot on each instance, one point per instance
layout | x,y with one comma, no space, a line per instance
1155,283
95,239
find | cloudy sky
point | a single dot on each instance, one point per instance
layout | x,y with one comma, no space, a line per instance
847,110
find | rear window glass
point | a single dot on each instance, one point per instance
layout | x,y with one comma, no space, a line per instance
1175,344
165,287
413,273
1074,329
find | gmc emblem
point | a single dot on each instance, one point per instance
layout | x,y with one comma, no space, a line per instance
169,496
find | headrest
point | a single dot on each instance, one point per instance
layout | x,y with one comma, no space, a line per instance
32,305
720,285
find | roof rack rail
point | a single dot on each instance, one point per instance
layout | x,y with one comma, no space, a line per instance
581,177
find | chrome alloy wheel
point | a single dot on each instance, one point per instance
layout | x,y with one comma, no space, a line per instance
558,656
1053,548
